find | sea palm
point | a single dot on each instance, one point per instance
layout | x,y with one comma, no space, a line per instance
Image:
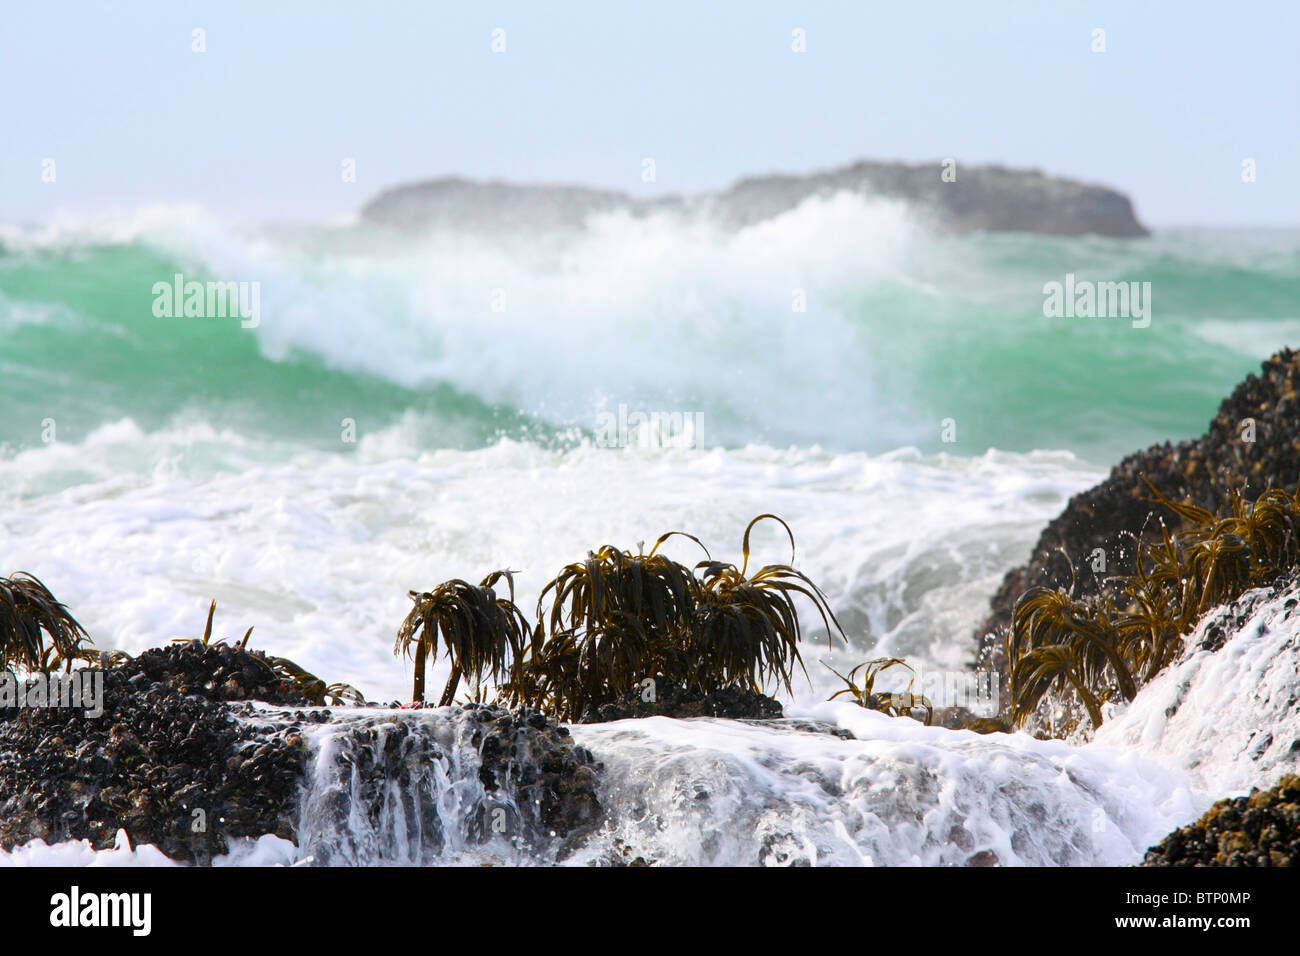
749,629
28,614
482,633
1058,639
893,703
614,620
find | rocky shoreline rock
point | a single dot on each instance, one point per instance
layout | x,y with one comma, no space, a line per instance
416,786
673,701
165,761
1202,470
1262,829
991,198
183,759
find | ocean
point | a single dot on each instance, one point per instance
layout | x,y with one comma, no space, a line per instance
405,409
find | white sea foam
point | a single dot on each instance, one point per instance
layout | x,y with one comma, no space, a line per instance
138,531
266,850
725,793
1228,717
63,230
697,791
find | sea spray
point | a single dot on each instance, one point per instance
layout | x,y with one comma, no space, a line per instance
407,788
840,323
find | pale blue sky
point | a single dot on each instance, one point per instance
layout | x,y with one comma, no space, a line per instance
256,127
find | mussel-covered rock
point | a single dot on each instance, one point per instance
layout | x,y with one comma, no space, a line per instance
166,760
670,700
1262,829
406,787
180,758
557,778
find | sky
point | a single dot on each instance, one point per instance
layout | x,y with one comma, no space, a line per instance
258,125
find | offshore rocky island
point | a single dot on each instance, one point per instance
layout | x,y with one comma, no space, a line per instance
1184,649
989,198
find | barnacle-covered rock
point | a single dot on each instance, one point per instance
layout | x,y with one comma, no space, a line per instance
1262,829
674,701
166,760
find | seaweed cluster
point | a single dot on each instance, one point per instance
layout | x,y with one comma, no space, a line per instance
29,614
618,625
1203,470
1104,646
892,703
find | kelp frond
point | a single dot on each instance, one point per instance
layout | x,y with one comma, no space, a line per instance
1108,645
864,693
481,632
29,614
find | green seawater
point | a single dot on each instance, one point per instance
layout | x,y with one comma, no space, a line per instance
952,330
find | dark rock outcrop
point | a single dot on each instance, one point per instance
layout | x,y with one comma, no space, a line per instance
417,787
991,198
165,761
1202,470
674,701
180,758
1262,829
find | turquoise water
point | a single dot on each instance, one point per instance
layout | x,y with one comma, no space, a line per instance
410,409
903,330
193,460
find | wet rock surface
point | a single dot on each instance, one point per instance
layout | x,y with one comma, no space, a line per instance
621,855
803,725
1203,470
674,701
165,761
1262,829
181,758
418,787
960,718
558,777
